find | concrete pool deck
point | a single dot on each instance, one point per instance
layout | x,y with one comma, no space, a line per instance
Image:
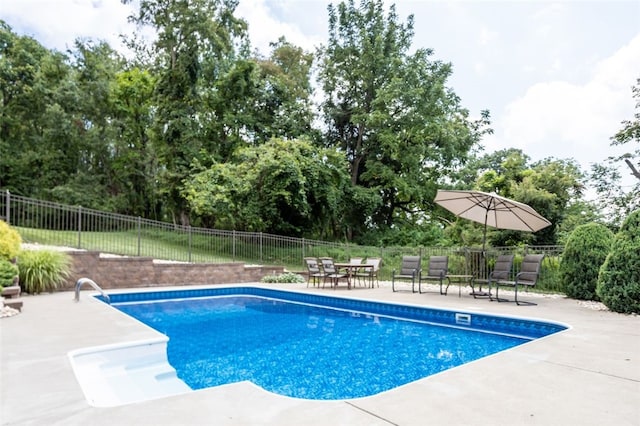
587,375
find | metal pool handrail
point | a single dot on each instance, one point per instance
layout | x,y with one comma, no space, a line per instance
93,284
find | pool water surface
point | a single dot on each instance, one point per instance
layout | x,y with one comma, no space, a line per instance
316,347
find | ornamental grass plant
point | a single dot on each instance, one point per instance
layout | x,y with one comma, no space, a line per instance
43,270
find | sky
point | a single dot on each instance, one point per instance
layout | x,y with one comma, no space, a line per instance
556,76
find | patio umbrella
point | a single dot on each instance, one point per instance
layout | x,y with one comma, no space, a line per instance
491,210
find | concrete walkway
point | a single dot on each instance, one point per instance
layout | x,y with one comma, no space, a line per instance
587,375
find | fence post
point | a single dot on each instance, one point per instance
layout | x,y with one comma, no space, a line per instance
79,227
233,244
7,207
260,247
189,228
302,250
139,235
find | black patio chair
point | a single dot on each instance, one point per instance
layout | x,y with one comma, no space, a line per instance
527,277
409,271
437,272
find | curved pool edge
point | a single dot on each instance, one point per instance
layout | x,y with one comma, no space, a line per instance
125,373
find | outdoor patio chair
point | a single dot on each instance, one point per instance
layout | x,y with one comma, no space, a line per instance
437,272
409,271
527,277
355,272
314,273
501,271
331,272
370,272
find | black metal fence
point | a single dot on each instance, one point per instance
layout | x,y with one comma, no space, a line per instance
49,223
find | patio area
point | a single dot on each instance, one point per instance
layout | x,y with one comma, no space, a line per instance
586,375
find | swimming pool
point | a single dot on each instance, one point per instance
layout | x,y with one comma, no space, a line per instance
315,347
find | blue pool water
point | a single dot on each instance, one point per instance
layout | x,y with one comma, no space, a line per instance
316,347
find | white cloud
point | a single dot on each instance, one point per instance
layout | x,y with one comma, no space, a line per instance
487,36
58,23
567,120
264,27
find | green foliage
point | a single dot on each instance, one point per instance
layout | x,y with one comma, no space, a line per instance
577,213
619,279
284,186
388,108
43,270
8,271
585,252
549,280
549,186
287,278
9,241
193,41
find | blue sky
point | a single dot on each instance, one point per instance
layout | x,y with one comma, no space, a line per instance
556,75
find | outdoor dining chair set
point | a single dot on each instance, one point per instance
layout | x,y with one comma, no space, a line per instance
325,269
437,272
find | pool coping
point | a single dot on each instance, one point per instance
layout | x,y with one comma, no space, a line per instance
589,374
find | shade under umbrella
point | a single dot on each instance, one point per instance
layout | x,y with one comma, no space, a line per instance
491,210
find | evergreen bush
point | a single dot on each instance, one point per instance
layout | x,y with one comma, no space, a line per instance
8,271
586,250
9,241
43,270
619,279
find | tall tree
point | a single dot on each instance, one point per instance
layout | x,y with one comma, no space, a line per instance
258,98
285,104
135,162
390,111
41,127
95,65
190,35
614,199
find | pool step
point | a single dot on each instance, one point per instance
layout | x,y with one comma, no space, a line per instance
124,374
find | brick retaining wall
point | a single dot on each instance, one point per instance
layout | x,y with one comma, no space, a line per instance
126,272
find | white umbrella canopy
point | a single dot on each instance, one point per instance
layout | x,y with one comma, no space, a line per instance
491,210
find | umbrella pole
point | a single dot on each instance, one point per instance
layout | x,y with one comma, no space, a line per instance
483,261
484,233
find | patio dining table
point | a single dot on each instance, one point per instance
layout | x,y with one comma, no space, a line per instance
351,269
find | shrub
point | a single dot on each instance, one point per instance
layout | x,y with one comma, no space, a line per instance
43,270
8,271
287,277
619,279
9,241
586,250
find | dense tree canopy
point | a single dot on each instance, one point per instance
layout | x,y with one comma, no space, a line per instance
196,127
283,187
